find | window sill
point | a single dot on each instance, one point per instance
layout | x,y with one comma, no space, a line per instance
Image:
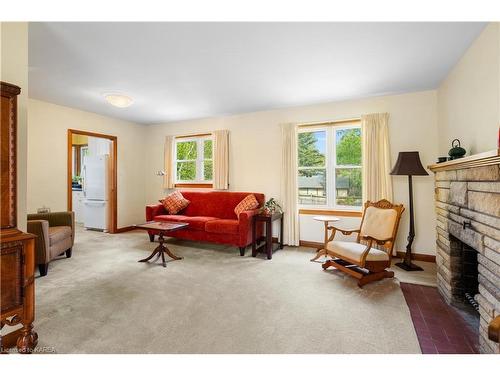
345,213
194,185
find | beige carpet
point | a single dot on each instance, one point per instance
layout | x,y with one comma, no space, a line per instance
214,301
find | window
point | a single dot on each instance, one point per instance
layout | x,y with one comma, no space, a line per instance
329,166
194,160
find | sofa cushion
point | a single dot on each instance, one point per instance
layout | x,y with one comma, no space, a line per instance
58,233
354,250
219,204
174,202
223,226
169,217
247,203
195,222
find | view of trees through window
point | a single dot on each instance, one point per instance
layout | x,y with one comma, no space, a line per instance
318,169
194,160
348,167
312,167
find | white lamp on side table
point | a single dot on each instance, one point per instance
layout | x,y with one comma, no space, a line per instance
325,220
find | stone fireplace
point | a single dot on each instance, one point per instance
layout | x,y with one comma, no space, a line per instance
467,194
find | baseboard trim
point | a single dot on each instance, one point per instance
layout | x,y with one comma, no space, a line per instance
125,229
421,257
316,245
400,254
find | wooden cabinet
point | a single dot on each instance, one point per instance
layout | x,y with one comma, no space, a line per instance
8,113
17,249
17,266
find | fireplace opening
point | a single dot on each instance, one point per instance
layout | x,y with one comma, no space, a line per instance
467,281
469,273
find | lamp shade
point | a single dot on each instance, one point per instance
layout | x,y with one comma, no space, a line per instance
408,164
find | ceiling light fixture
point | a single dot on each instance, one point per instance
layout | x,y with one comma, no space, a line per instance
119,100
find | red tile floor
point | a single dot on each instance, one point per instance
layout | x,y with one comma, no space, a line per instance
439,327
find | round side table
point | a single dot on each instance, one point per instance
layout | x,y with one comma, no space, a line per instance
325,220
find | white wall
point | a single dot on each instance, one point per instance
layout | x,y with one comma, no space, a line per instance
47,156
469,97
255,154
14,69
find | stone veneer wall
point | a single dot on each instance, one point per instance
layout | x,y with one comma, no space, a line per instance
470,195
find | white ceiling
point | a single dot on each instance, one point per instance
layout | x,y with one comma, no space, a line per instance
178,71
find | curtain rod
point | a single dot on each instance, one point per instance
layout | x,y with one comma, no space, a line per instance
193,135
356,119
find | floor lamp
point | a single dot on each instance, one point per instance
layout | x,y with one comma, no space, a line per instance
408,164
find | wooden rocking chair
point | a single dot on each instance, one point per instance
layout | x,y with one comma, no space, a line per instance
379,226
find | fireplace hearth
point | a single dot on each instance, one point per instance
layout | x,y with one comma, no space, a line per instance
467,199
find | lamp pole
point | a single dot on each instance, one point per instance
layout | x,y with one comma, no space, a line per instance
407,264
411,234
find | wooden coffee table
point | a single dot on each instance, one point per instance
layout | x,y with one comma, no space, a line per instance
163,228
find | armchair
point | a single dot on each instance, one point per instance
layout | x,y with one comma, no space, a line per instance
362,259
55,233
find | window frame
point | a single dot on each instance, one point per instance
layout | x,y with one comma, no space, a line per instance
331,165
200,161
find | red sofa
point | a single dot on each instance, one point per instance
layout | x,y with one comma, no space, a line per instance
211,218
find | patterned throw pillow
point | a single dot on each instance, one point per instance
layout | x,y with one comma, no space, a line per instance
248,203
174,202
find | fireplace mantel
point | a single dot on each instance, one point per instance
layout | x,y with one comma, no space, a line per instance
467,201
479,160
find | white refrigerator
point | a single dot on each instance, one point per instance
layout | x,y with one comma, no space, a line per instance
95,192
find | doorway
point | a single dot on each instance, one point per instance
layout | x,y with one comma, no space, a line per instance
102,153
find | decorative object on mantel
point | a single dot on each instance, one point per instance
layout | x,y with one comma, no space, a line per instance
408,164
456,152
271,207
442,159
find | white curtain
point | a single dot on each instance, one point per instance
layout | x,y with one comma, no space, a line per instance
221,160
377,182
289,184
168,178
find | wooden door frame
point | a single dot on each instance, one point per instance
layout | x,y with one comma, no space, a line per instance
113,228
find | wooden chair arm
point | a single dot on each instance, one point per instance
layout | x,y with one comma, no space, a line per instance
372,239
344,231
366,251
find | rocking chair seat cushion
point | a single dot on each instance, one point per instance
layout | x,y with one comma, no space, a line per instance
354,250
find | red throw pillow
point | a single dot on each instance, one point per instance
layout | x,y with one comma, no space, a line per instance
174,202
248,203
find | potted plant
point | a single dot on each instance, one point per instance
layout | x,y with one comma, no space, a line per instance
76,181
271,207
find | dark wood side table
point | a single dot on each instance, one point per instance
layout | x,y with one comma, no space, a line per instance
268,238
163,229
